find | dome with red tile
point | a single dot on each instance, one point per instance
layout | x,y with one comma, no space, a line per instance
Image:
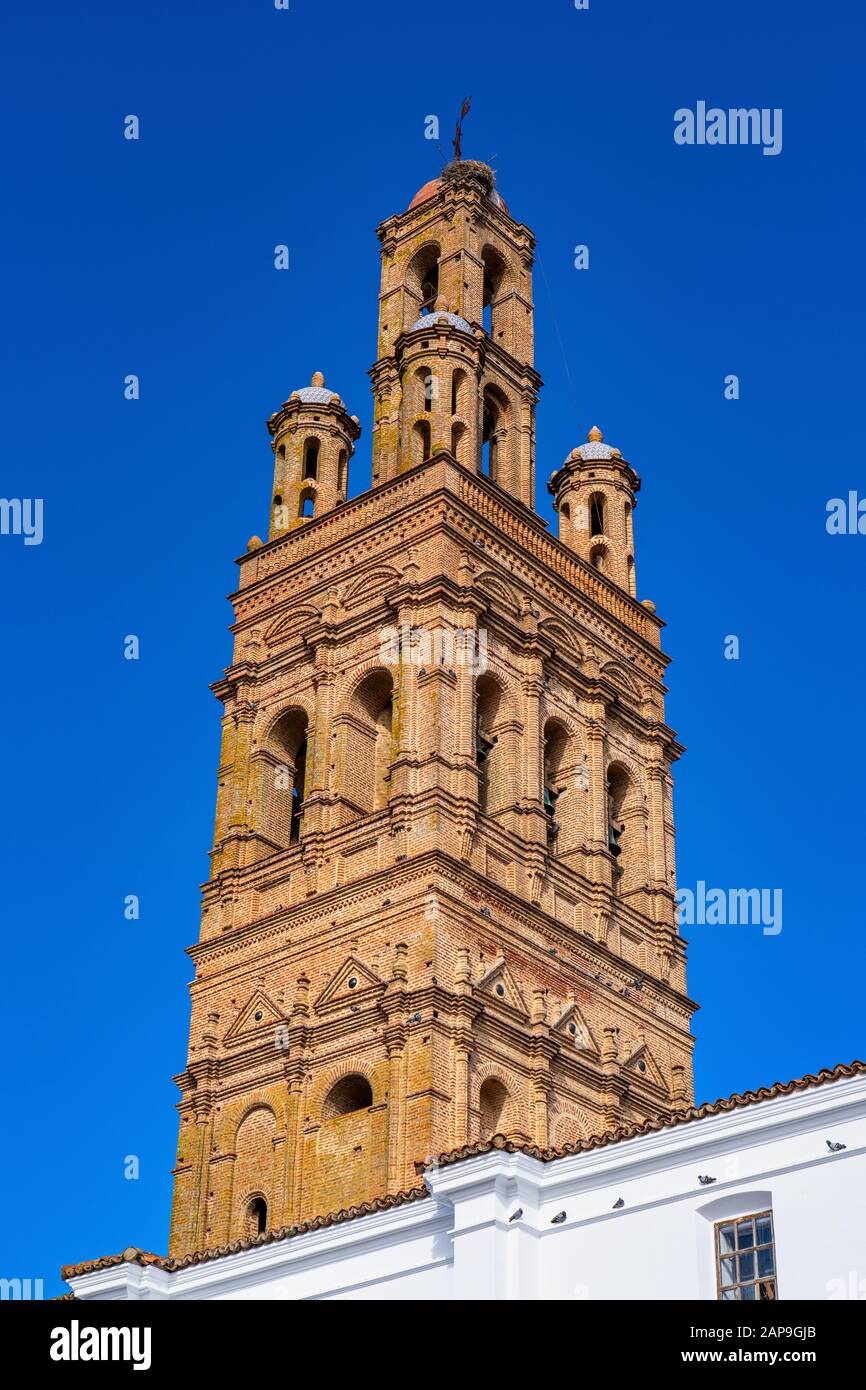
429,190
462,171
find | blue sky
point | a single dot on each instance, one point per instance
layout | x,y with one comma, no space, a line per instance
155,257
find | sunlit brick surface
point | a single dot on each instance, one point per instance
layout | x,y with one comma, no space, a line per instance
426,952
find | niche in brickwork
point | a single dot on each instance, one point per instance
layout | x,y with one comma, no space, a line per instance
493,1105
253,1171
365,773
425,389
348,1156
599,558
351,1093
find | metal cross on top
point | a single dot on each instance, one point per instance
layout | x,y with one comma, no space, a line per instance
458,134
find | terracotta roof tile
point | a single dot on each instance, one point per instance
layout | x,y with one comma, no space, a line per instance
498,1142
316,1223
657,1122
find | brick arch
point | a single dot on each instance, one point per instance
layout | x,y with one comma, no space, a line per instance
497,590
631,812
347,689
481,1070
326,1080
413,270
497,715
251,1110
516,1107
553,713
490,387
360,584
290,624
253,1168
462,367
366,738
568,1125
507,683
619,675
250,1194
564,771
272,795
614,757
309,491
561,637
503,262
236,1111
272,714
245,1199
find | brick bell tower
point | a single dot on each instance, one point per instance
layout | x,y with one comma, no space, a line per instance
442,894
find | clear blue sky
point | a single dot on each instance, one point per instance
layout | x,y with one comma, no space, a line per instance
261,127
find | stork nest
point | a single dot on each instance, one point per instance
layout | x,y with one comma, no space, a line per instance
470,171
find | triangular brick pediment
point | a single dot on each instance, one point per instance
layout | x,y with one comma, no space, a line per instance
351,981
247,1024
499,982
572,1025
649,1071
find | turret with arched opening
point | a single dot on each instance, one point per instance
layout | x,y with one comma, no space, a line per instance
313,439
595,494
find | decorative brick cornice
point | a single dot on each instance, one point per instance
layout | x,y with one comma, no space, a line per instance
441,479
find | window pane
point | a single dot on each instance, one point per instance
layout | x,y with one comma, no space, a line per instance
746,1258
765,1230
726,1239
728,1273
765,1261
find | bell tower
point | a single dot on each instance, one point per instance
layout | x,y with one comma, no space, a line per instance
442,888
455,359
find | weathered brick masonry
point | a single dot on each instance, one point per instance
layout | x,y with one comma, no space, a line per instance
442,892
